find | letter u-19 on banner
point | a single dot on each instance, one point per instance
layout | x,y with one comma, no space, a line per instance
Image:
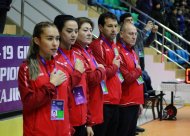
13,50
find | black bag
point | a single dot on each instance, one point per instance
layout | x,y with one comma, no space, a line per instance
170,111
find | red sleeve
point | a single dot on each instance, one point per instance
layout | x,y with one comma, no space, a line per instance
129,76
88,122
75,78
95,77
32,97
99,55
111,70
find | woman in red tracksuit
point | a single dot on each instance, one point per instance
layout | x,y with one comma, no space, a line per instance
44,85
68,29
95,74
132,87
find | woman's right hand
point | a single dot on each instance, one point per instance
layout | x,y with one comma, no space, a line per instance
56,78
116,61
101,66
79,66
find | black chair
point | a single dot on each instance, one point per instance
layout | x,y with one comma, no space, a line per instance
152,102
151,99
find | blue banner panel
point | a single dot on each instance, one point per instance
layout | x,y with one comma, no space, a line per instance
13,50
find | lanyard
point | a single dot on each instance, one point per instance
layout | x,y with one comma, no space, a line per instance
66,58
102,83
92,59
106,42
48,72
45,65
114,52
131,56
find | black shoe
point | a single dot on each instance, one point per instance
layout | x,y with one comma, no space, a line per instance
136,133
139,129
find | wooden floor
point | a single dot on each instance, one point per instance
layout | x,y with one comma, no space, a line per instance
180,127
11,127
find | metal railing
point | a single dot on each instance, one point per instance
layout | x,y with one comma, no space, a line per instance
165,40
159,44
101,8
155,21
23,15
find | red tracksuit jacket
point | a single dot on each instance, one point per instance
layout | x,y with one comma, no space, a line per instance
37,95
104,54
94,76
132,92
78,113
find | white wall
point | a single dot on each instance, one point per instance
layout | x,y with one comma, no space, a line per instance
63,5
159,74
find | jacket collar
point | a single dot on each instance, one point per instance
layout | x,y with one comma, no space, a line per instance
106,40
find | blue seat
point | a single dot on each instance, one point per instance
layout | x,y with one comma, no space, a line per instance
172,55
112,10
184,55
118,13
123,11
100,1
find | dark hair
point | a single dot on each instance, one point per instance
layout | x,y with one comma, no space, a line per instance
123,16
173,8
60,21
82,20
103,16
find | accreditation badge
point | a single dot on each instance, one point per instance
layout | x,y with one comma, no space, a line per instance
104,87
121,79
79,95
141,54
57,110
140,80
